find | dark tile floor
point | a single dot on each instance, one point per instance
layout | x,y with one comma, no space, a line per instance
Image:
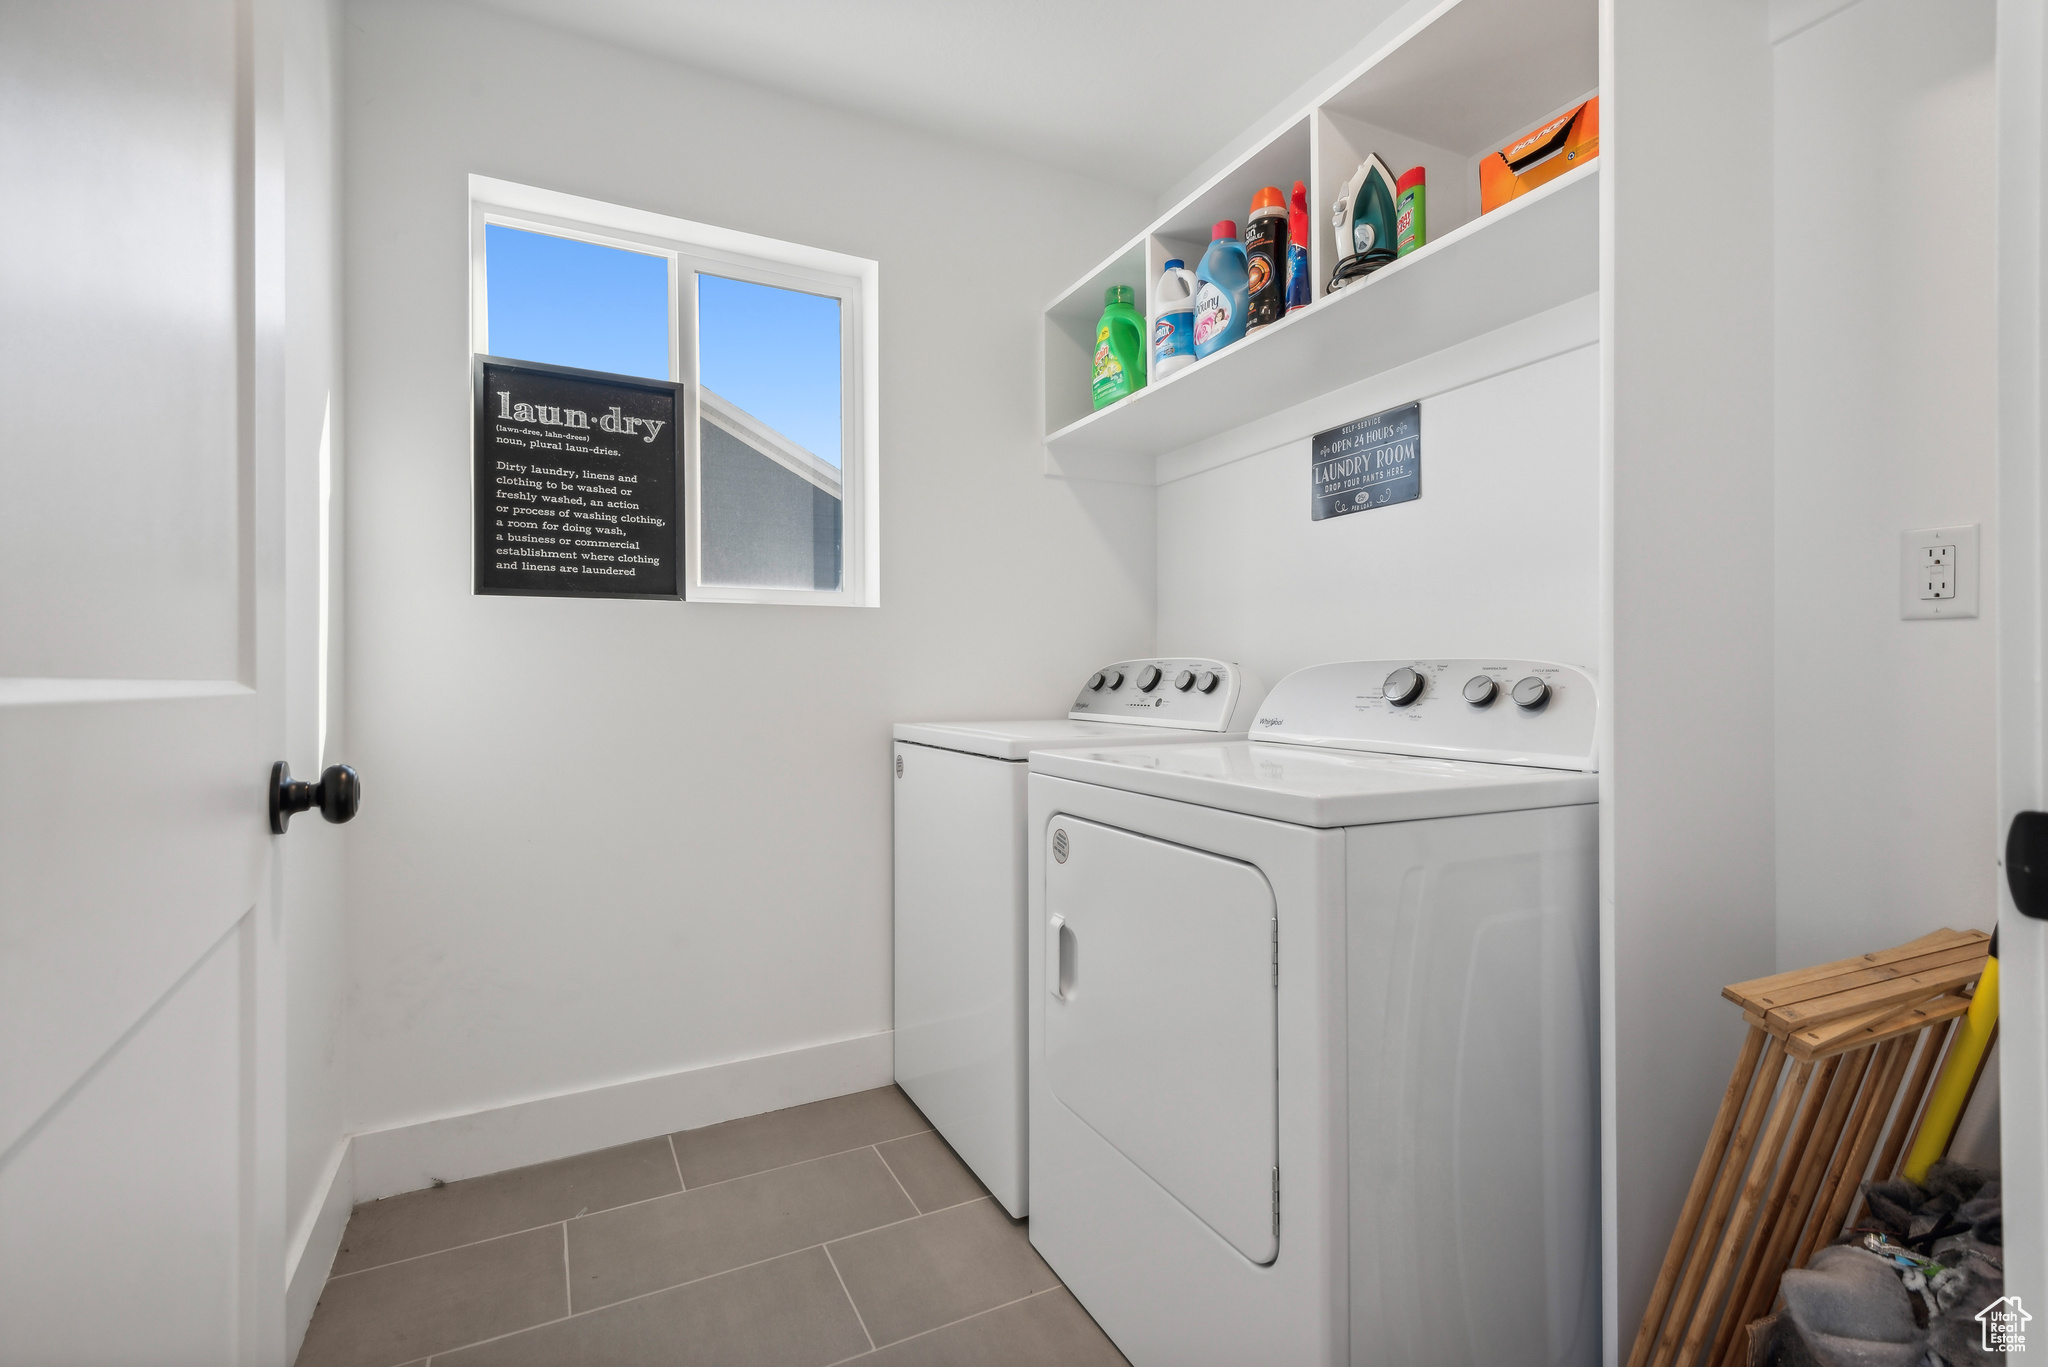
842,1231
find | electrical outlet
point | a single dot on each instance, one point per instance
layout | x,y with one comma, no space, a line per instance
1938,572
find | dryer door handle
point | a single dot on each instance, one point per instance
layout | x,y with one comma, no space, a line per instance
1060,952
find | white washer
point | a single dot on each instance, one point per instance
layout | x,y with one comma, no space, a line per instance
1314,1025
960,905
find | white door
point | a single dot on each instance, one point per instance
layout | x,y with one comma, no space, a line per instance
140,577
2023,630
1161,1029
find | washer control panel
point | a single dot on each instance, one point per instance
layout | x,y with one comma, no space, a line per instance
1191,694
1533,712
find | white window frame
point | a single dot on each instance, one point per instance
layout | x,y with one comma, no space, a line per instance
699,247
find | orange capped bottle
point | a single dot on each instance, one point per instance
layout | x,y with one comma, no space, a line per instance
1265,250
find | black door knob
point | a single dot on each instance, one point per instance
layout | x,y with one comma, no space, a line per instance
2026,863
338,793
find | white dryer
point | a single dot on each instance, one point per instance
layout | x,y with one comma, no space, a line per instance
1314,1025
960,902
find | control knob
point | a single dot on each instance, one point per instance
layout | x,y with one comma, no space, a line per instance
1403,686
1116,679
1207,680
1098,681
1184,680
1148,678
1531,693
1480,690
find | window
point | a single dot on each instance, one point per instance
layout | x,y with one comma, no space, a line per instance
571,301
775,340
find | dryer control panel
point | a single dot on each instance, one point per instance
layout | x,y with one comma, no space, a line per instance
1503,711
1189,694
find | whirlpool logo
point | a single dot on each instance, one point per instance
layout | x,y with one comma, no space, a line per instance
1272,721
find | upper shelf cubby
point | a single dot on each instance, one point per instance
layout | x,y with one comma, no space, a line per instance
1070,321
1473,73
1444,94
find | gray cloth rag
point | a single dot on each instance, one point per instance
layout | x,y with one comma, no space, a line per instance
1851,1311
1848,1308
1963,1196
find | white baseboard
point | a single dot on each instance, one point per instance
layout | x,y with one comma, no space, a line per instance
409,1157
314,1240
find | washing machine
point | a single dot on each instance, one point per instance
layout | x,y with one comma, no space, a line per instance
960,897
1314,1022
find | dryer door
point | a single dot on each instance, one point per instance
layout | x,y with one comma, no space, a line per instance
1160,1030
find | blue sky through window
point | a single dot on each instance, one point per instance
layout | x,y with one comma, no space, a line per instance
563,301
774,353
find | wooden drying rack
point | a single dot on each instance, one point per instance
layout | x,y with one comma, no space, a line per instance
1828,1054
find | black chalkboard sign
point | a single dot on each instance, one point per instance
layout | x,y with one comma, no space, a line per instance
577,478
1368,463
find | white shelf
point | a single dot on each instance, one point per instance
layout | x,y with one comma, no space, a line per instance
1528,256
1443,94
1284,157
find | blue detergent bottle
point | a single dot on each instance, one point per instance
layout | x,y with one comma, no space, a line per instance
1222,291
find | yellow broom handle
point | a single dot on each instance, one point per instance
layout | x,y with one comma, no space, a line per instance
1952,1089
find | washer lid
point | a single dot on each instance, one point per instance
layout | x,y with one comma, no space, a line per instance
1014,740
1319,787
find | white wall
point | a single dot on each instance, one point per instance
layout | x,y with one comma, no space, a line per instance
1389,18
2022,65
1500,555
1686,790
1885,406
311,860
611,840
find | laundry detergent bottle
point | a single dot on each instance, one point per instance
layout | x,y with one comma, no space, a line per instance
1119,347
1301,291
1173,319
1222,291
1265,253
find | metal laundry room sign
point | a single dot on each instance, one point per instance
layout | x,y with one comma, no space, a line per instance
1366,463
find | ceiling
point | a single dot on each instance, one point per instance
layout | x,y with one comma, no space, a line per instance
1130,92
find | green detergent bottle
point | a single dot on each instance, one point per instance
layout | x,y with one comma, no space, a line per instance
1119,347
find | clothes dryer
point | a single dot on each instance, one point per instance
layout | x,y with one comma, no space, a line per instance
1314,1023
960,900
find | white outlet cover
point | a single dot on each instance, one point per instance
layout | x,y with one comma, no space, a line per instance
1913,548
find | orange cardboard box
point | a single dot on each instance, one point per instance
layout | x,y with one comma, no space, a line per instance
1541,155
